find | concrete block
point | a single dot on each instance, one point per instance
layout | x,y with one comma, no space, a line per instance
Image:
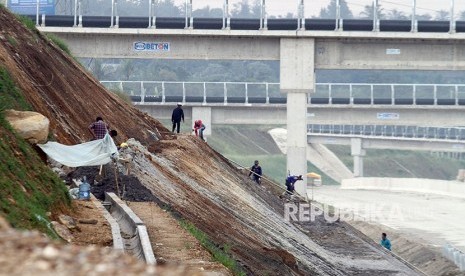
115,230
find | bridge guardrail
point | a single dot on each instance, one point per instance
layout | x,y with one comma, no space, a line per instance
414,132
269,93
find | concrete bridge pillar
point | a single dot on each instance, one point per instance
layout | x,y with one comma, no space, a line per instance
357,152
297,79
203,113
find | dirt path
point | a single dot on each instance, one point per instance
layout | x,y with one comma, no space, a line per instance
174,244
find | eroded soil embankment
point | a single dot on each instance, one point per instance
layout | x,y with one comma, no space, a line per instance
58,87
202,187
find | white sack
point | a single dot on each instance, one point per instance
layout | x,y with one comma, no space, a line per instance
93,153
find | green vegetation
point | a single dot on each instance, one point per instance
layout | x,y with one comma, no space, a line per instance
244,144
12,41
28,188
31,25
10,96
399,163
220,255
60,43
125,97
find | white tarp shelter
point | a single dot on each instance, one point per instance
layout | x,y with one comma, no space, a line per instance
93,153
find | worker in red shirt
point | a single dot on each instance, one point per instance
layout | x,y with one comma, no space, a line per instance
199,127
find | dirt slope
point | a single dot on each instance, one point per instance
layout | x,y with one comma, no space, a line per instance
185,173
59,88
196,181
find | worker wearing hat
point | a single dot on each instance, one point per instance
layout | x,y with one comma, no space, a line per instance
176,117
256,170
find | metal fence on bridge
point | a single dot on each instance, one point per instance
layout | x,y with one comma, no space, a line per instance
415,132
269,93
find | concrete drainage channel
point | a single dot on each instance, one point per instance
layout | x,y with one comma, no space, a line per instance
128,231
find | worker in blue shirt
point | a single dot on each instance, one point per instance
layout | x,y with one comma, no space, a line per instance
256,170
290,182
385,242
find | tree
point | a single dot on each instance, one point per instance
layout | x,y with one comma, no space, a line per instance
425,16
167,8
127,69
207,12
96,68
245,10
330,11
395,14
462,16
368,12
442,15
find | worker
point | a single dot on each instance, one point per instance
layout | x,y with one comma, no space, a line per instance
256,170
199,127
99,128
385,242
290,183
176,117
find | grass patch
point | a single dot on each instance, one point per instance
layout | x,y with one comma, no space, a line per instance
28,188
219,255
60,43
10,96
31,25
122,95
12,41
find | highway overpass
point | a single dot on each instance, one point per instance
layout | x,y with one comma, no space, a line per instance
440,105
300,52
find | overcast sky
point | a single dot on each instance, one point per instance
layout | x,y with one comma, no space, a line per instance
282,7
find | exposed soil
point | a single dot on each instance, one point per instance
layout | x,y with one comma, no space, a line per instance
128,187
90,234
233,210
184,173
171,244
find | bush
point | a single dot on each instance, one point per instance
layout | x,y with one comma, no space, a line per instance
60,43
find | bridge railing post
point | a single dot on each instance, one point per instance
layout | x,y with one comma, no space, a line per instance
330,101
204,93
189,20
456,95
37,12
351,94
163,92
413,27
75,13
263,17
183,92
116,15
151,4
80,14
225,91
393,95
267,93
301,17
435,94
375,16
246,93
142,92
226,18
338,15
371,94
452,18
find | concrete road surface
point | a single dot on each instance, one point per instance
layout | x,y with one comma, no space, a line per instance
435,218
